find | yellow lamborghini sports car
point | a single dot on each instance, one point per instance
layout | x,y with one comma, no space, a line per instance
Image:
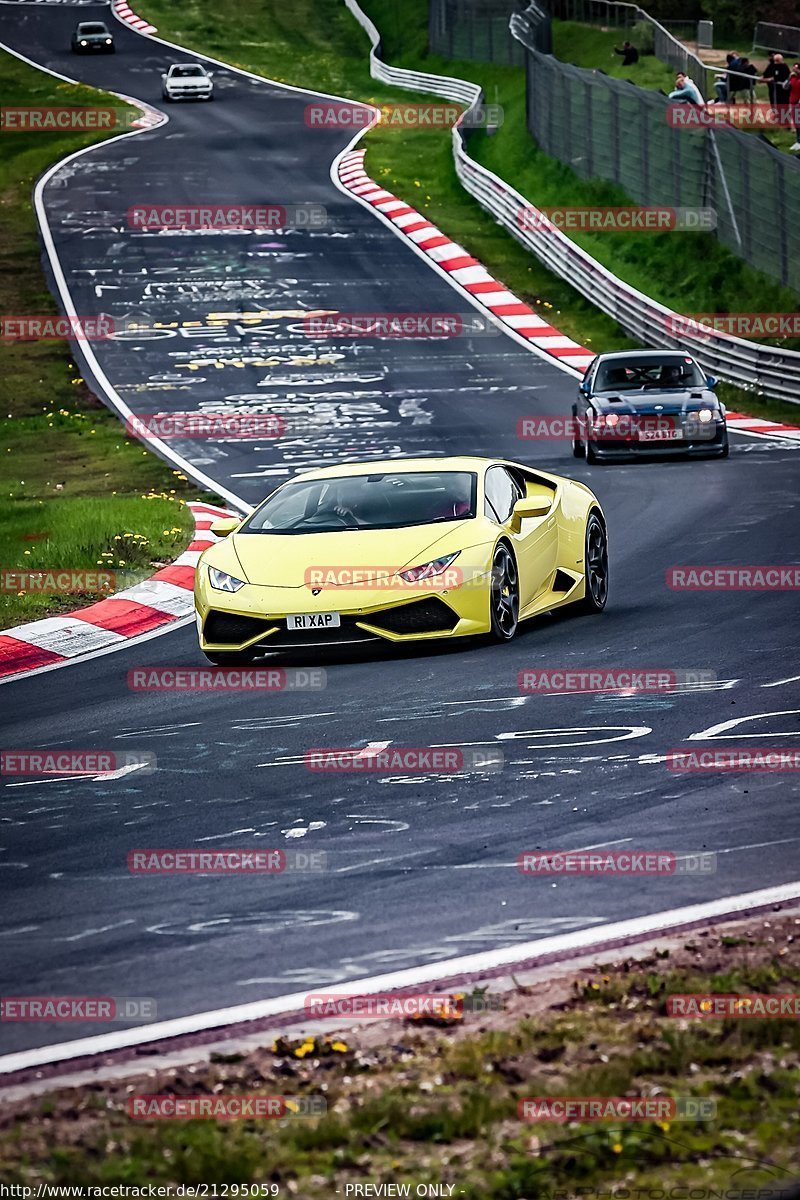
403,550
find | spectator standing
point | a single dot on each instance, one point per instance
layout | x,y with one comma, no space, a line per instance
768,76
744,81
781,105
630,54
775,76
686,91
723,84
794,102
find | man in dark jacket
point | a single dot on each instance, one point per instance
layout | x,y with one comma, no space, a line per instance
723,84
744,80
775,76
630,54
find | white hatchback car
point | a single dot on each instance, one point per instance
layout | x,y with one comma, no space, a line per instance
187,81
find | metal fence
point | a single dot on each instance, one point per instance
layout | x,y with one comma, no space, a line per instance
610,129
785,38
474,30
770,370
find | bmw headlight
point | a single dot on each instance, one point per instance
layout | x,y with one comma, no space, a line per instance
223,582
83,43
108,41
705,415
428,570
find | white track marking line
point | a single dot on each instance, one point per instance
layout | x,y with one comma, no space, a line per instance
469,964
713,731
780,682
85,351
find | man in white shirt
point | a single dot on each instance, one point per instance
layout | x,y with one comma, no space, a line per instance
686,90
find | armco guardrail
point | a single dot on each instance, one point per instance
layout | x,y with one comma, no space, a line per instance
767,369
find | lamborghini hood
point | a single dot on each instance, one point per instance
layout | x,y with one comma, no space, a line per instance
284,560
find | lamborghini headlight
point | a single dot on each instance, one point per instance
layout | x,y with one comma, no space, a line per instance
223,582
428,570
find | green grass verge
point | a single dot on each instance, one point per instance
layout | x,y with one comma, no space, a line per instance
70,481
318,44
592,46
408,1104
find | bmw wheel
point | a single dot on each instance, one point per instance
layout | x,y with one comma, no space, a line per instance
595,566
504,599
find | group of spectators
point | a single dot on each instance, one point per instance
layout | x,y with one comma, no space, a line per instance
783,85
741,76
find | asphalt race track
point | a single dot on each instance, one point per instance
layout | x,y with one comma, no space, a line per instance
421,869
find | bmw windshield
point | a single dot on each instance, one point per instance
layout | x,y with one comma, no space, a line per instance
647,372
379,501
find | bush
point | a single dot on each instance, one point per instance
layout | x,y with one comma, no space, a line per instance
643,37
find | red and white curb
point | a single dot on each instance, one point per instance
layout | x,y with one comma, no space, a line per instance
465,270
124,12
164,598
151,118
762,428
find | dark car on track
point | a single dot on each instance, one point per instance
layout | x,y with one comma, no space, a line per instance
92,37
648,403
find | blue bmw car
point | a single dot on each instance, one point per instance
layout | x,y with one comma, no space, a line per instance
647,403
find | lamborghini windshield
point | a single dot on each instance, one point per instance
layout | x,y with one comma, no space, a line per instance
379,501
662,371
